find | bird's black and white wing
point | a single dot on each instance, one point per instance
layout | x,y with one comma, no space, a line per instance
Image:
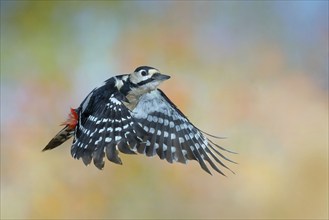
171,135
105,127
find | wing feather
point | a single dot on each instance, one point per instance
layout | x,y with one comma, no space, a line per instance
105,131
172,136
196,149
151,150
169,151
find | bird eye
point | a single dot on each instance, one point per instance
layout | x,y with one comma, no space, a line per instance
143,72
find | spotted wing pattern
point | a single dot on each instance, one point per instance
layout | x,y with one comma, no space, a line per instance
106,131
172,136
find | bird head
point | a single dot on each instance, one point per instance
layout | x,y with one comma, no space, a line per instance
147,78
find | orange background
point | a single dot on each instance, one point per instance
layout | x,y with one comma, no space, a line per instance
256,72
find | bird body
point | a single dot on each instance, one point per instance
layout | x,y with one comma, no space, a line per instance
129,114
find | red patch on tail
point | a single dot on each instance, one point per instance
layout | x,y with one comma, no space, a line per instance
72,120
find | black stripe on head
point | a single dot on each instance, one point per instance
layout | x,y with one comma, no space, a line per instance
145,81
147,68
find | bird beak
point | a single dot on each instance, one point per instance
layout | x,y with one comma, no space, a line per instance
160,77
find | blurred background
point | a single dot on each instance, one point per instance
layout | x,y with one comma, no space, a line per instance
255,72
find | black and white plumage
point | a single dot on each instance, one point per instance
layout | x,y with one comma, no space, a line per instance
128,114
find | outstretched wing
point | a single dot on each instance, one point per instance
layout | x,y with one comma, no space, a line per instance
105,129
172,136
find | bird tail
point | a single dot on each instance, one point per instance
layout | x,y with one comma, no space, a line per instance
60,138
66,132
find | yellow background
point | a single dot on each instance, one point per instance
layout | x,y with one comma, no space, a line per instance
256,72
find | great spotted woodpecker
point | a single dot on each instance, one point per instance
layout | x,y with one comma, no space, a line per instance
129,114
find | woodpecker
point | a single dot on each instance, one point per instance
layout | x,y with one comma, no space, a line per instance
129,114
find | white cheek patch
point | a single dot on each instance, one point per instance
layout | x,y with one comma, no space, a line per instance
137,78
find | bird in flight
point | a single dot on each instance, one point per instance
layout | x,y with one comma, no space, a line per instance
129,114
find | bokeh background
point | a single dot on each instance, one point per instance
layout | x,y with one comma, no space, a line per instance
255,72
